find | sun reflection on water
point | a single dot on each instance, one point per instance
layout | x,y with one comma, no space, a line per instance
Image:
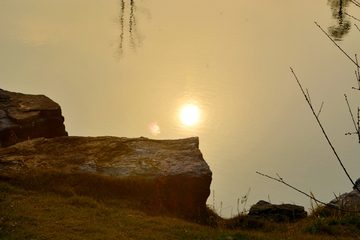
190,114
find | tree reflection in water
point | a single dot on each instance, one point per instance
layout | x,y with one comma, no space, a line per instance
135,37
342,25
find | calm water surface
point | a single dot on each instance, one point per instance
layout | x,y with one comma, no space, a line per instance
219,70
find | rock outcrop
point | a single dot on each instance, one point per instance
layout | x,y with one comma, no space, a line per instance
277,213
25,116
350,200
185,175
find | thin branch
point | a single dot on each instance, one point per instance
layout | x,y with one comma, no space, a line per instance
356,3
351,133
352,17
358,83
357,27
320,109
308,94
357,73
282,181
337,45
358,123
352,116
311,197
322,129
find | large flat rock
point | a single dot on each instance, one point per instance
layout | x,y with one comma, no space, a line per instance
26,116
179,162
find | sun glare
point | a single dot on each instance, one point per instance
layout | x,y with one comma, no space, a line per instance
190,114
154,128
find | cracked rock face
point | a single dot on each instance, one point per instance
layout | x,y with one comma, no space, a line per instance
25,116
179,162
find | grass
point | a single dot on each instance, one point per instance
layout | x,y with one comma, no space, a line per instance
54,205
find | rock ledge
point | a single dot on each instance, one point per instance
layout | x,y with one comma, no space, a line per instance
25,116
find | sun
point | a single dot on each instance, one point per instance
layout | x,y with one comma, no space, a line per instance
190,114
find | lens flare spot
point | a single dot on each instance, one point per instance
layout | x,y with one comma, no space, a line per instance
154,128
190,114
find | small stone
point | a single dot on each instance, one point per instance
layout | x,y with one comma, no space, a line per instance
277,212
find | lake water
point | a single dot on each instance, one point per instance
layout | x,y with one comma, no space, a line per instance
219,70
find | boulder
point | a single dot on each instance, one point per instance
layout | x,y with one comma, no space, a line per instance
350,200
25,116
185,176
277,213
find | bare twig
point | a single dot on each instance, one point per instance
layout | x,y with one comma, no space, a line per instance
352,116
283,182
337,45
357,27
308,95
356,3
320,109
350,133
352,17
358,123
357,79
310,196
322,129
357,74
